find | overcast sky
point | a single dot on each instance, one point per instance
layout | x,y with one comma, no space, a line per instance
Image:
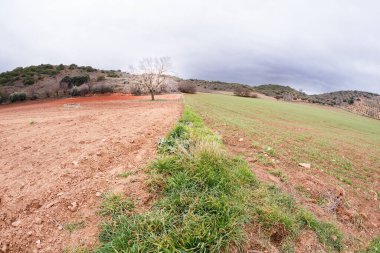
314,45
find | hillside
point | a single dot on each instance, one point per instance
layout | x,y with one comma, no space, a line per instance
280,92
360,102
206,86
364,103
48,80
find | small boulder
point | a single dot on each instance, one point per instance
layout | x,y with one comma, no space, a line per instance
16,223
305,165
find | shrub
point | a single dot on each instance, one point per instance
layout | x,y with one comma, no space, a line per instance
17,96
112,74
102,88
84,90
89,69
187,87
100,78
79,91
136,90
74,91
254,95
28,81
73,66
75,80
242,91
1,99
60,67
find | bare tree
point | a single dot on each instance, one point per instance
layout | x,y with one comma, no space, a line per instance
151,74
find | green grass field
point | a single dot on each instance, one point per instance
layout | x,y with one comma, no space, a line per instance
341,144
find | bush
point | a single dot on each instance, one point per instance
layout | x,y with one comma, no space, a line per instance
187,87
28,81
254,95
73,66
60,67
1,99
136,90
75,80
74,91
100,78
242,91
79,91
112,74
102,88
84,90
17,96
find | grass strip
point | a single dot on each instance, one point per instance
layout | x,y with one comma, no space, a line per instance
206,200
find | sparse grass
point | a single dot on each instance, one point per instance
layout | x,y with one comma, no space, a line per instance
374,246
71,227
115,205
264,159
125,174
278,173
336,142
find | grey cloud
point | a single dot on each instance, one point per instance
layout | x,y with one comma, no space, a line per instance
317,46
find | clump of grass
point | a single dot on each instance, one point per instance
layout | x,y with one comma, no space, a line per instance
277,212
125,174
374,246
115,204
270,151
71,227
327,233
278,173
264,159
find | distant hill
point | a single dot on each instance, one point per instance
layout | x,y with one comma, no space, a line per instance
280,92
45,80
361,102
33,74
341,98
203,85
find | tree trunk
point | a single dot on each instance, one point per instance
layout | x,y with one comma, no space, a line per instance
152,94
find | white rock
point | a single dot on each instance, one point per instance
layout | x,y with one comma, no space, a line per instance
241,139
305,165
38,244
16,223
98,194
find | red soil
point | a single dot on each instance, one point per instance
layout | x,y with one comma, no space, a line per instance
55,160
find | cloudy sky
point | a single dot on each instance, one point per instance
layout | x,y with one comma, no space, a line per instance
314,45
